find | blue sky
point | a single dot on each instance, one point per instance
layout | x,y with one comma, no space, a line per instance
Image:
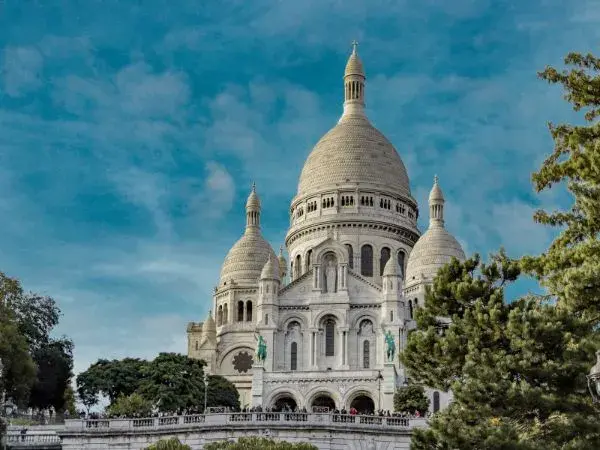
130,133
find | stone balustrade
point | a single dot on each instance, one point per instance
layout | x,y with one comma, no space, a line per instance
210,421
327,431
35,440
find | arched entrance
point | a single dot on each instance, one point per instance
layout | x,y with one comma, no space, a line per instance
285,403
323,401
363,404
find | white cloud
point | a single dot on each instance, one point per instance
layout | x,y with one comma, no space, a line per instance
219,190
21,69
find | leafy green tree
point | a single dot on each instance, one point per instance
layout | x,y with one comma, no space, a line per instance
35,315
411,398
170,444
221,392
29,320
55,369
69,399
172,382
255,443
114,379
133,405
19,370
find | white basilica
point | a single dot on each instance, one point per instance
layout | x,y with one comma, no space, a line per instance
358,268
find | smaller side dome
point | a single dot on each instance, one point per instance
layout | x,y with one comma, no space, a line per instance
270,270
391,268
436,247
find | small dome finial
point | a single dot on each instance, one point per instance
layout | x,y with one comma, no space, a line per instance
253,186
354,45
435,179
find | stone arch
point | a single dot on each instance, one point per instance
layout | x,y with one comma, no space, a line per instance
356,320
367,257
226,363
334,247
402,258
385,253
249,311
239,317
297,266
282,392
285,321
350,251
308,259
359,390
314,393
319,317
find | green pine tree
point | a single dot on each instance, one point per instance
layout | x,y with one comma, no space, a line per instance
517,369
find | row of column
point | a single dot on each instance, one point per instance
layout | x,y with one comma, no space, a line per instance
340,352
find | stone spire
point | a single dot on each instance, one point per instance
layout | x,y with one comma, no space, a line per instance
253,211
354,85
436,205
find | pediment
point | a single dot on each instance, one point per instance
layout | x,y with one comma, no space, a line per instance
362,290
298,287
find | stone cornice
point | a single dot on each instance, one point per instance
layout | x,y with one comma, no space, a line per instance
402,233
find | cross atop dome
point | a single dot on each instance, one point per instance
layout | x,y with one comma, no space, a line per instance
354,45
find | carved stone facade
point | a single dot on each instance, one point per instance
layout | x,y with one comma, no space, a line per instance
357,270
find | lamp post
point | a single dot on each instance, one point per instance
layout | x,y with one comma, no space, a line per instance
205,390
379,378
594,379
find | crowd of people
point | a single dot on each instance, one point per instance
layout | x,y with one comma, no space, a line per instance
258,409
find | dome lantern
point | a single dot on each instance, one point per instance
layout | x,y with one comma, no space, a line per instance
354,85
253,210
436,205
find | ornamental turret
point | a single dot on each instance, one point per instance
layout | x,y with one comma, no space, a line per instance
354,85
392,292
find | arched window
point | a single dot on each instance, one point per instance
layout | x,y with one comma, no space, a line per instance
298,266
308,260
401,259
391,316
410,309
436,401
266,319
196,345
240,311
366,354
329,337
220,316
350,256
383,259
248,311
366,261
225,313
294,356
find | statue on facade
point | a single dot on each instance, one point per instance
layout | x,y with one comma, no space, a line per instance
390,346
261,349
330,276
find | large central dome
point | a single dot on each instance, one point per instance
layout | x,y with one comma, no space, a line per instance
354,152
